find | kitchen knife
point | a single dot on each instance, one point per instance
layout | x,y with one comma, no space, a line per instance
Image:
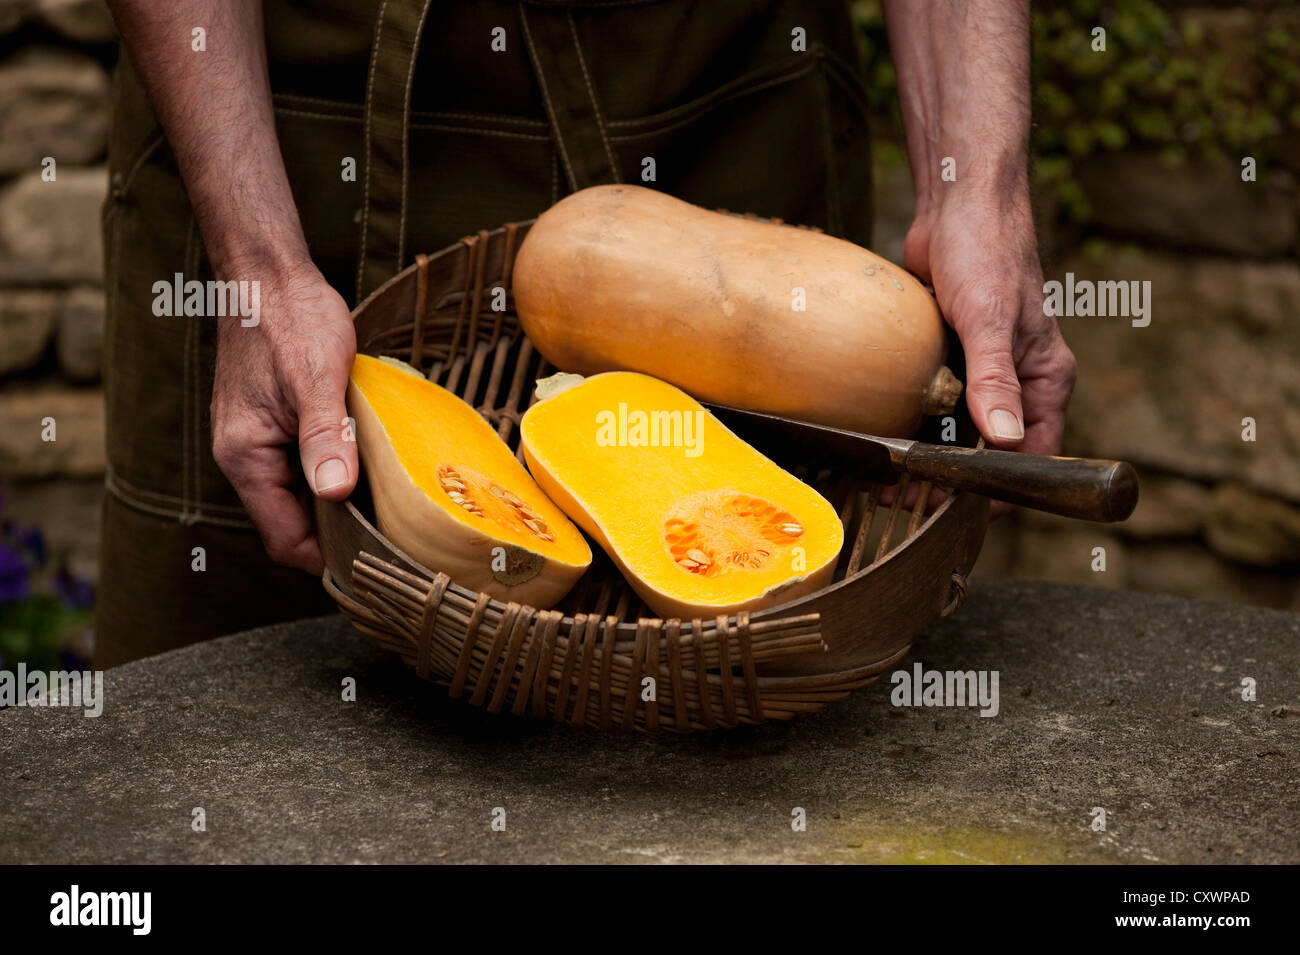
1085,488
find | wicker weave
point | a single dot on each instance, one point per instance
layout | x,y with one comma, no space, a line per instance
599,659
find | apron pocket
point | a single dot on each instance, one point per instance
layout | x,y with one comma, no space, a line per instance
765,143
470,175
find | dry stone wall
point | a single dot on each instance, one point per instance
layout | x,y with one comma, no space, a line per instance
55,61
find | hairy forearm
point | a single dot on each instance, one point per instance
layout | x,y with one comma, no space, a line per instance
215,108
963,78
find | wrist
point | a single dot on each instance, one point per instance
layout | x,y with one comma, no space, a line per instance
250,234
1006,197
269,260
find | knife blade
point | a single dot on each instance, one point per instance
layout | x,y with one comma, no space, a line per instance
1087,489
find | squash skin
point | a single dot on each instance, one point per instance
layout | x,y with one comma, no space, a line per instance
626,278
427,533
665,604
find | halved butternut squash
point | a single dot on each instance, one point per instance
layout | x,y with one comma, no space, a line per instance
449,493
698,521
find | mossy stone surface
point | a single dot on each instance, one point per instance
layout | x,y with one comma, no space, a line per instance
1123,701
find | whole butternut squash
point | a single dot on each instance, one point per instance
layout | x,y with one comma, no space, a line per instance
732,310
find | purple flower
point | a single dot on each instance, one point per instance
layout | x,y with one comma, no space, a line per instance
75,592
14,574
33,541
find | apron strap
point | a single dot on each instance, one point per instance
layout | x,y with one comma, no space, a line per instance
577,126
570,97
387,128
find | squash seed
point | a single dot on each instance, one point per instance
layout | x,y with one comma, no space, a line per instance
700,558
451,481
507,495
794,530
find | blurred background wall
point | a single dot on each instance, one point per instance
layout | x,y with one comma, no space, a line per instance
1138,164
55,59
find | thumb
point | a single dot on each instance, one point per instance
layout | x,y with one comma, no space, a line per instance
326,443
916,251
993,388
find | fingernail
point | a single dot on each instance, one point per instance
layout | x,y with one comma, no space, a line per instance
1006,425
330,474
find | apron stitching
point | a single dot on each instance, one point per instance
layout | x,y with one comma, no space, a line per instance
197,444
686,120
480,132
192,389
180,516
833,223
306,114
486,117
112,285
127,489
847,78
595,4
406,134
353,111
546,95
753,79
591,92
369,115
318,100
555,175
467,130
185,388
149,150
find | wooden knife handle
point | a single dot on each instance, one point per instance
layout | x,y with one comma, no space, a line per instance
1085,488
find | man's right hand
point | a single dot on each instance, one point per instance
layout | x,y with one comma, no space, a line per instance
282,381
279,383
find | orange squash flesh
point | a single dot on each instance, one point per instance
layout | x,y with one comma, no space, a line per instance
450,494
699,526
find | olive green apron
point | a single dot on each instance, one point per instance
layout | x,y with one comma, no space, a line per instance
507,108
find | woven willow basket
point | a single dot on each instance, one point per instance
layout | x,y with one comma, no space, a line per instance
585,662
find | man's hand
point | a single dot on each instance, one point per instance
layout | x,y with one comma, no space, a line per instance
963,74
981,258
282,382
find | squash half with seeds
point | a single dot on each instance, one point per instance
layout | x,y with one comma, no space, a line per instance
449,493
698,521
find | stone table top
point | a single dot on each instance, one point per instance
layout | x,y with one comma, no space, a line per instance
1127,702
